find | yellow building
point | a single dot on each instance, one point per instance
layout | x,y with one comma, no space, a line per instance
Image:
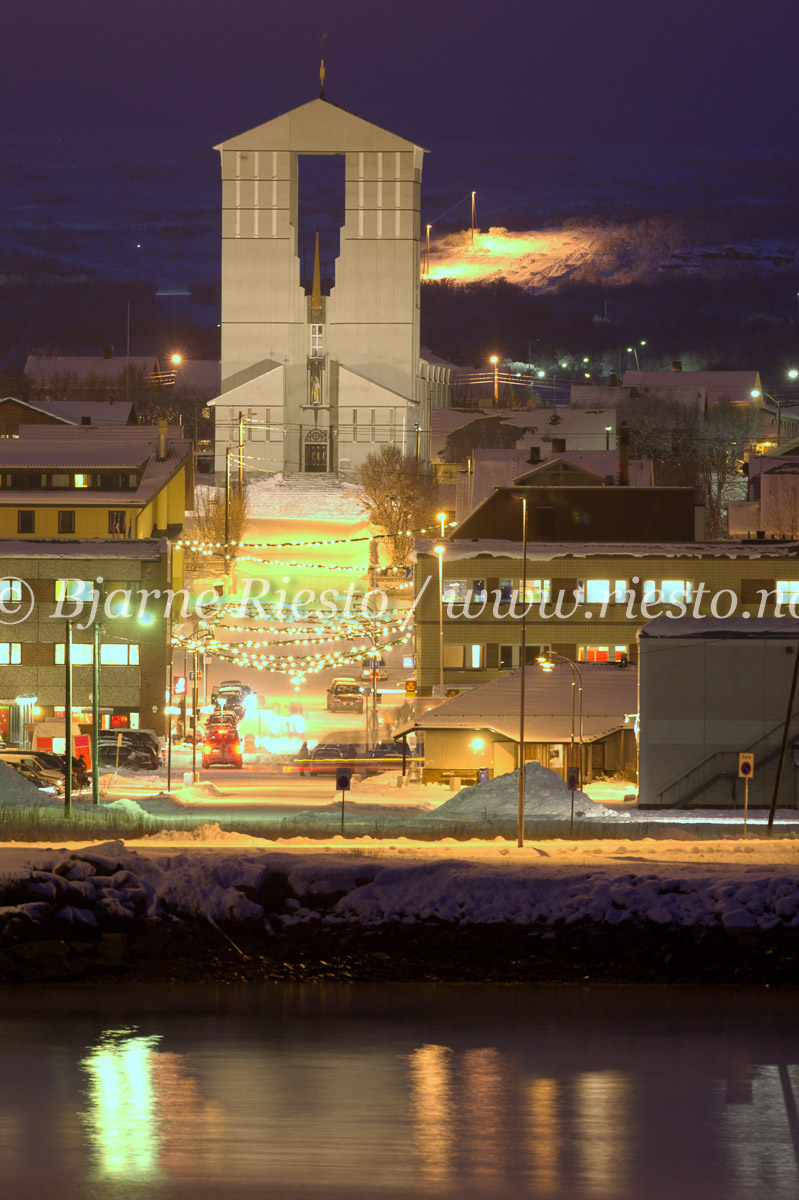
87,482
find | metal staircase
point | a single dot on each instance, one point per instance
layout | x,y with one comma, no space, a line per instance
688,787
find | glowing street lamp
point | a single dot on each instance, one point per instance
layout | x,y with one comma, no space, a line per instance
632,350
440,552
176,360
495,361
547,663
793,373
523,664
441,518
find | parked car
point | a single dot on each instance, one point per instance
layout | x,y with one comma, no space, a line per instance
231,685
366,668
222,747
139,749
328,758
385,756
344,695
34,761
42,782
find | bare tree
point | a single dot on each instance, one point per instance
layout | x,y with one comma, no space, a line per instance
209,523
398,497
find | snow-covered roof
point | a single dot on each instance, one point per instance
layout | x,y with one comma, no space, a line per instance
78,447
609,693
146,549
546,551
736,386
721,627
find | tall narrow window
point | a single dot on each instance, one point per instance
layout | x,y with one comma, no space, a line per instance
317,341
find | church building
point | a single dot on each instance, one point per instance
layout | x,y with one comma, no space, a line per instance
316,374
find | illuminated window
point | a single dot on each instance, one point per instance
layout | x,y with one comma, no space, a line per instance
81,655
537,590
787,591
676,589
10,652
81,481
620,591
454,590
597,591
119,654
317,341
11,591
600,653
74,589
454,656
476,656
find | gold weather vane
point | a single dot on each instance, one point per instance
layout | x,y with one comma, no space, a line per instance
322,67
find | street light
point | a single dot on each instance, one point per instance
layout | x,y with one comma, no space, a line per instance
523,664
495,361
547,664
441,518
632,350
608,429
176,360
440,552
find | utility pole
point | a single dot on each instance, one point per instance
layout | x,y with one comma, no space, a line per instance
473,195
418,432
194,715
227,509
241,453
96,709
68,719
523,666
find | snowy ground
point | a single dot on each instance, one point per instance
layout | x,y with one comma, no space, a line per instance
735,884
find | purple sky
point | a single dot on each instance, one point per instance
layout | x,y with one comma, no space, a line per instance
690,72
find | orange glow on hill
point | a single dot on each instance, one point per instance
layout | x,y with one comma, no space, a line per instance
537,259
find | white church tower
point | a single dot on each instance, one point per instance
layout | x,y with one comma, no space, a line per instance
314,382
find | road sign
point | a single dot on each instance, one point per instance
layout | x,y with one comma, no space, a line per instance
410,687
746,766
343,779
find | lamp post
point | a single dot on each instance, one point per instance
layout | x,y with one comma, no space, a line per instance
441,518
227,509
547,664
522,674
632,350
427,257
473,196
96,632
495,362
608,428
68,719
440,552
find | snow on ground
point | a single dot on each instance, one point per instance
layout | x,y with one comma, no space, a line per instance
545,795
735,884
321,499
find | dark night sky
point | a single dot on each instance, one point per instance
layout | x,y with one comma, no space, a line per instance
687,72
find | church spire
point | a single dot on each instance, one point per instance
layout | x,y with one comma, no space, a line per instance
322,67
316,287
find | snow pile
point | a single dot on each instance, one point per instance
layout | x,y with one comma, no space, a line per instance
734,885
277,498
199,791
18,792
389,783
545,796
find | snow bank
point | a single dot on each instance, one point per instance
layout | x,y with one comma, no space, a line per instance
18,792
277,498
545,795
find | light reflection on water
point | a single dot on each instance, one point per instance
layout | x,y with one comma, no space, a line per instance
327,1091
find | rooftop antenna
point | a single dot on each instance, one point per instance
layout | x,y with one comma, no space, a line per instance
322,67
